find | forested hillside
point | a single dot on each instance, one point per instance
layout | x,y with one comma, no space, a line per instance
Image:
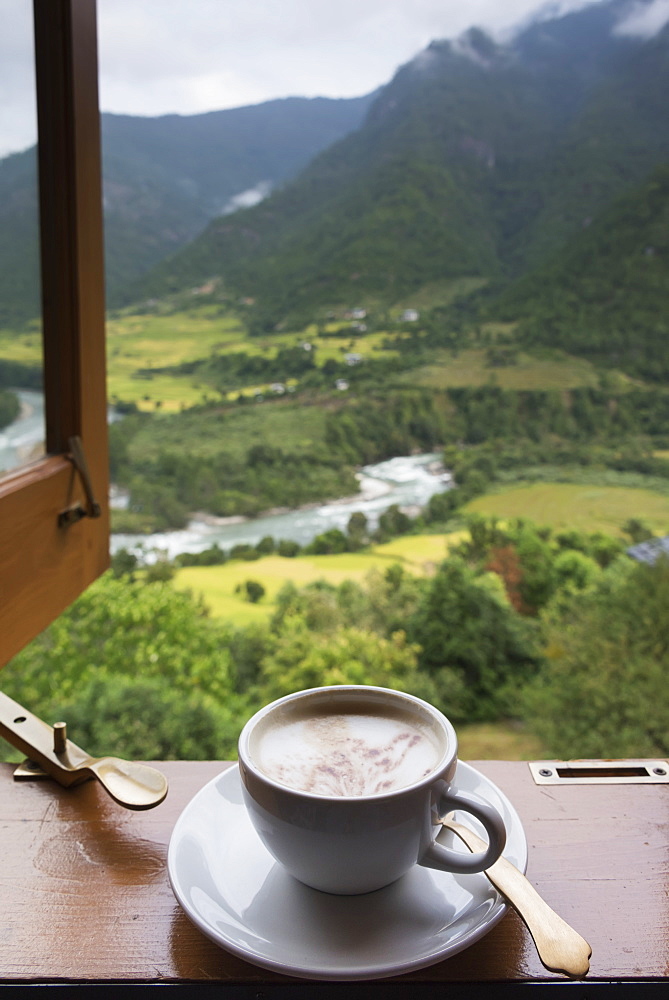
19,239
605,295
476,160
164,179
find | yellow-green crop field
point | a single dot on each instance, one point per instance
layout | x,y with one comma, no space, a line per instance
25,346
564,505
139,343
498,741
136,342
469,368
418,553
558,505
216,584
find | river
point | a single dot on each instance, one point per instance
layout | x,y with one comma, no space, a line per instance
408,481
22,440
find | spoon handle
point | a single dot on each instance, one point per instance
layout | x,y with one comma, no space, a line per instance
560,947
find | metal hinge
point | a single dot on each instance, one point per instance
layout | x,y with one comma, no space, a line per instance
596,772
75,513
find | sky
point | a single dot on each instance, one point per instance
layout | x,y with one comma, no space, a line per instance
191,56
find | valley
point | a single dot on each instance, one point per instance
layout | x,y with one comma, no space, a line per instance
473,262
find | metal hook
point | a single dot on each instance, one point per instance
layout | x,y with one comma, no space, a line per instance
76,512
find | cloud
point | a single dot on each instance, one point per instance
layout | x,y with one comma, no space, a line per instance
645,19
191,56
216,54
547,11
18,116
247,199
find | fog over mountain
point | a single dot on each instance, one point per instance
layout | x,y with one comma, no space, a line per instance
478,160
164,179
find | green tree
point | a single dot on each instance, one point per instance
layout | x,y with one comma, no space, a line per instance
266,545
637,530
575,571
157,502
288,548
124,563
120,633
329,543
9,407
253,590
393,522
468,633
304,659
390,598
160,571
535,556
147,719
357,530
602,691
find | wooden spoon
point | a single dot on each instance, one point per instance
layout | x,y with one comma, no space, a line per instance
560,947
133,785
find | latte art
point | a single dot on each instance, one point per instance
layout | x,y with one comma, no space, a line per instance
348,754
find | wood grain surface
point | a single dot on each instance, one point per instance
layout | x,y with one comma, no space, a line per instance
86,897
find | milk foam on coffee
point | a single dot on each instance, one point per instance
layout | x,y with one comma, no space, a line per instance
366,751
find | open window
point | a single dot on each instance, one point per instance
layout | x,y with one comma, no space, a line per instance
54,520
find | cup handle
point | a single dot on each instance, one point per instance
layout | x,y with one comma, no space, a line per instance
443,859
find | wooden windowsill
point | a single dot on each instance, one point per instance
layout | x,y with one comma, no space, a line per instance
86,897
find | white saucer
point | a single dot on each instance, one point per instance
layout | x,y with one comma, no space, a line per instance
234,891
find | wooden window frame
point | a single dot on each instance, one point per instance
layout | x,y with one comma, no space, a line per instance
45,564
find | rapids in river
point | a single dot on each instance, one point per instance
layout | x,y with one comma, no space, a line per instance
408,481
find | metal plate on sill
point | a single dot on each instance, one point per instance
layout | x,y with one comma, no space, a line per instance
29,770
600,772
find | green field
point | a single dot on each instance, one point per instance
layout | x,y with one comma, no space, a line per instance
469,368
558,505
418,553
572,505
216,584
498,741
293,427
136,342
139,343
24,346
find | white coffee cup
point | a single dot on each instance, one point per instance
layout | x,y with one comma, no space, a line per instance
346,785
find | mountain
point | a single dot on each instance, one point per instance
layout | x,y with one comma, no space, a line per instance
604,295
478,159
19,238
164,179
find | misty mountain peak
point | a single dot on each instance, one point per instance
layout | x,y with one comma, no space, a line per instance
478,46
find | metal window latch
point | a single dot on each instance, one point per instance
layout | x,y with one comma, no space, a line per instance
599,772
75,513
51,754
